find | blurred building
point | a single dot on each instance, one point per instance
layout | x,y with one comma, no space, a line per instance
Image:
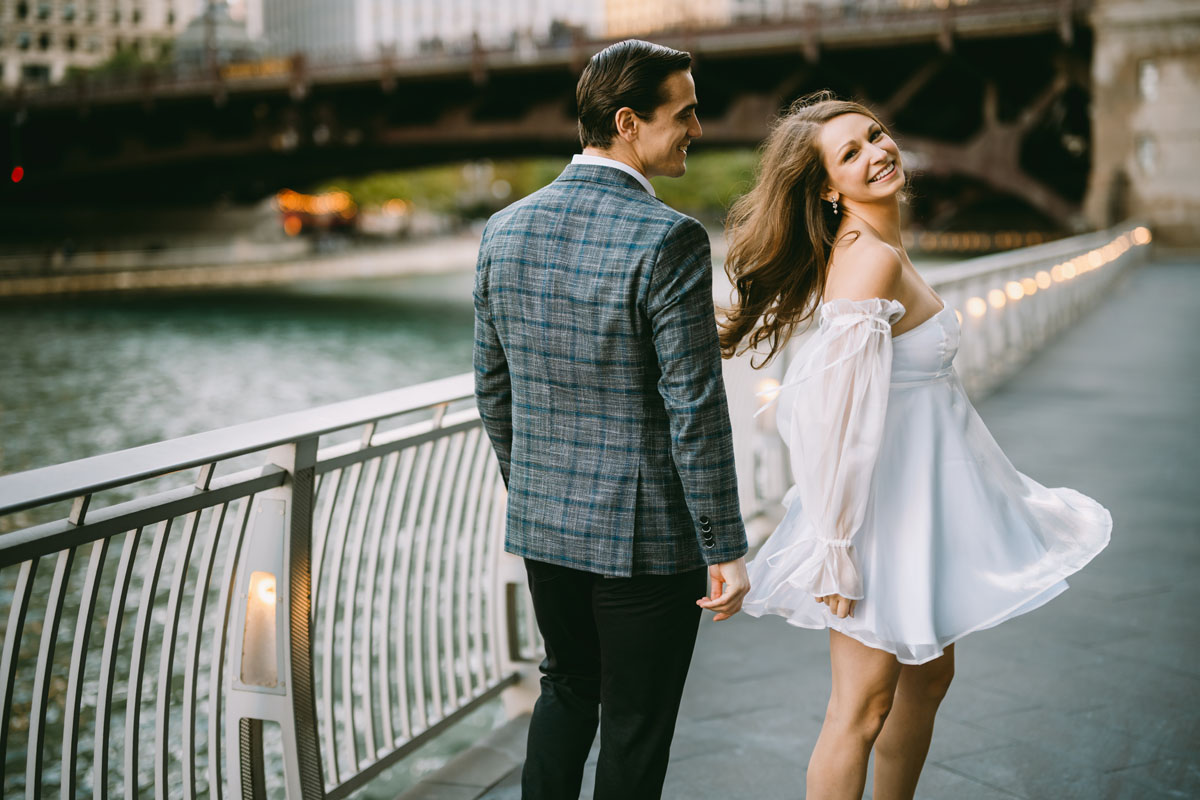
40,40
638,17
635,17
357,29
1146,117
213,38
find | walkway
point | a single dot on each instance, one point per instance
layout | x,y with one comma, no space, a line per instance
1097,695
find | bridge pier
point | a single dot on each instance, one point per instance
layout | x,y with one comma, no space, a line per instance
1145,130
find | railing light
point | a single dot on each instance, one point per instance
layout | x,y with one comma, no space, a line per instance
1014,290
1068,271
1056,272
767,390
1141,235
997,298
259,663
976,307
1029,285
1043,279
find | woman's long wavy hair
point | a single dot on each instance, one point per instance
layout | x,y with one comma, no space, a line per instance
781,232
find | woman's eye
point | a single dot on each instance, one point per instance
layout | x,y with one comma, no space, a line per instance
876,134
849,155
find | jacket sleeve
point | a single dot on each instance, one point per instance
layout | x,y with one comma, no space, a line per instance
831,416
683,323
493,386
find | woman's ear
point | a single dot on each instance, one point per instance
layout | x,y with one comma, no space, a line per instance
627,124
829,196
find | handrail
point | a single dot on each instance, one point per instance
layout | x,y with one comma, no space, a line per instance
365,602
89,475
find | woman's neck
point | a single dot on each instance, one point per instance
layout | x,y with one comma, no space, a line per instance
882,218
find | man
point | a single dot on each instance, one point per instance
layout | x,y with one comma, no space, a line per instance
598,378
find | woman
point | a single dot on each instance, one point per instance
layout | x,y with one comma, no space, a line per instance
907,525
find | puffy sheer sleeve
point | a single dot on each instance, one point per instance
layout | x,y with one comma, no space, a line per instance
832,405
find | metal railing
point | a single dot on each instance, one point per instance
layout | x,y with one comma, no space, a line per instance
827,20
1009,304
338,572
352,593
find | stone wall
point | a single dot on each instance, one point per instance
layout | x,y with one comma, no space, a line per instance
1146,117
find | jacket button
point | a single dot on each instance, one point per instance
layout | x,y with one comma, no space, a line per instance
709,544
704,520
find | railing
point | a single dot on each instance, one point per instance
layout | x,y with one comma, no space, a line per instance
351,594
1010,305
332,581
835,20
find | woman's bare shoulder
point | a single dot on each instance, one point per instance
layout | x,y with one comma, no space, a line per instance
862,267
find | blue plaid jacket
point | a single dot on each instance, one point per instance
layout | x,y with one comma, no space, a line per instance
598,378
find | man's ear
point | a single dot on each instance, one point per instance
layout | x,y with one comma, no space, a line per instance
627,124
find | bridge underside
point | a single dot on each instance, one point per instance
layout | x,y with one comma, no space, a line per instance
1002,115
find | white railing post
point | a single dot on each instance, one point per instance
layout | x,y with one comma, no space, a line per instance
270,662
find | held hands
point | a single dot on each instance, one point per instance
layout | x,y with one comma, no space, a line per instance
729,585
839,606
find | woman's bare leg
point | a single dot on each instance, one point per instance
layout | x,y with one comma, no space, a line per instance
864,682
901,748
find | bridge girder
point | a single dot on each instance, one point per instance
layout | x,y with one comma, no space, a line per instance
965,98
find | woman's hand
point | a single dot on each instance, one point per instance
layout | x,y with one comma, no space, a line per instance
839,606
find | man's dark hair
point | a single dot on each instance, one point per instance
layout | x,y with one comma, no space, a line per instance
629,73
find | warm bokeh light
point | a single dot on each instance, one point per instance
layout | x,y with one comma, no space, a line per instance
768,390
1068,271
292,225
1014,290
996,298
1043,279
1029,285
1056,272
976,307
395,207
17,174
1141,235
264,590
1095,258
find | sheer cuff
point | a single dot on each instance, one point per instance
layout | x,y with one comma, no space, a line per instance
826,566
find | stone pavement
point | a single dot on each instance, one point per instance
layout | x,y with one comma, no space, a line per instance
1094,696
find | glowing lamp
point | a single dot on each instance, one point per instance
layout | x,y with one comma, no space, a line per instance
976,307
767,390
259,664
996,298
1141,235
1014,290
1029,285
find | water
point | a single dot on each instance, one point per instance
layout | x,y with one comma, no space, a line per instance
85,376
91,375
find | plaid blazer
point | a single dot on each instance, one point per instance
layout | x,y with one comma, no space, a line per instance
598,378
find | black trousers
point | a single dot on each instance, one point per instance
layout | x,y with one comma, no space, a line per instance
617,656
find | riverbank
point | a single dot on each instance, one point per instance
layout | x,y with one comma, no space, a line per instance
431,256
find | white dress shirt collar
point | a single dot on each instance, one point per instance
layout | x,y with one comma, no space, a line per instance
601,161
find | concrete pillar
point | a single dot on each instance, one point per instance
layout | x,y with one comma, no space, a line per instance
1146,117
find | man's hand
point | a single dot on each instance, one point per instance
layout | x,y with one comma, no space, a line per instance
729,585
839,606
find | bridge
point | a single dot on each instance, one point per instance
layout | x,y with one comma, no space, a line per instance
301,603
990,96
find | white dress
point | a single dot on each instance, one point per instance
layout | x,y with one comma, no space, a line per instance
903,500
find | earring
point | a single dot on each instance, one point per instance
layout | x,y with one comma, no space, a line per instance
835,206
